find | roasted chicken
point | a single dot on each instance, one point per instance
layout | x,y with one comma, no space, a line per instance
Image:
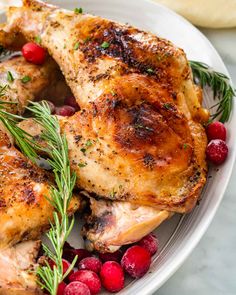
17,269
138,135
114,224
41,82
24,210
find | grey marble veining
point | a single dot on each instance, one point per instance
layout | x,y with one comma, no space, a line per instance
211,268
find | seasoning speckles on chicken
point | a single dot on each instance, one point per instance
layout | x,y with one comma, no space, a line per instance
24,210
138,136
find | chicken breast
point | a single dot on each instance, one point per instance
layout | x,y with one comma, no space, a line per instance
138,136
24,210
17,269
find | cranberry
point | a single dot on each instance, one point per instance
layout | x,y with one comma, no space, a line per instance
90,263
112,276
150,243
61,288
65,111
115,256
89,278
217,151
136,261
71,101
216,130
70,254
76,288
34,53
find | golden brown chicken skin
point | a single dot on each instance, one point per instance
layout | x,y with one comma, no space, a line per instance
138,136
44,82
18,269
24,210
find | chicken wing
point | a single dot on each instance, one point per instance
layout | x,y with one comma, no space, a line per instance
138,136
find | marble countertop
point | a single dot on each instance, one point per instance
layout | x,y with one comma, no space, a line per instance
211,268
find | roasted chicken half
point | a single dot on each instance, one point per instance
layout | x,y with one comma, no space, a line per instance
138,135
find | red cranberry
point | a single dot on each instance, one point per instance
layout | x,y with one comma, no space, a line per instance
71,101
70,254
34,53
90,263
61,288
112,276
216,130
76,288
217,151
89,278
150,243
115,256
136,261
65,111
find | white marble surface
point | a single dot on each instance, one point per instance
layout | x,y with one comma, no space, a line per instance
211,268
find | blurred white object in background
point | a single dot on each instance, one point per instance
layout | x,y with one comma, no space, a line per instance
205,13
5,3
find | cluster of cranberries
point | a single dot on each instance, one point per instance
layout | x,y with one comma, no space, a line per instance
105,270
217,149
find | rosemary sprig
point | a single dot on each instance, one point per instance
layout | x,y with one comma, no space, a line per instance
220,84
60,195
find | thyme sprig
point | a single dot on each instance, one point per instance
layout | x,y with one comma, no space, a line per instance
60,194
220,85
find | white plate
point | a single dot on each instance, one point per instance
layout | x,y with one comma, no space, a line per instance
180,235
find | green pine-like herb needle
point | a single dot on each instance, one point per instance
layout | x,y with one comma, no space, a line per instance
60,194
220,85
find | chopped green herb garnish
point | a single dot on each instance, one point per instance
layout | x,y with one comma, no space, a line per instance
26,79
167,106
83,150
185,145
86,40
150,71
10,77
78,10
76,47
113,193
140,126
81,165
105,45
88,143
38,40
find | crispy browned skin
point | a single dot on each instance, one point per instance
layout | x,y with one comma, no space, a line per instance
138,132
24,210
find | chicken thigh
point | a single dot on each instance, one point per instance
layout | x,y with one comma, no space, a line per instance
138,136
